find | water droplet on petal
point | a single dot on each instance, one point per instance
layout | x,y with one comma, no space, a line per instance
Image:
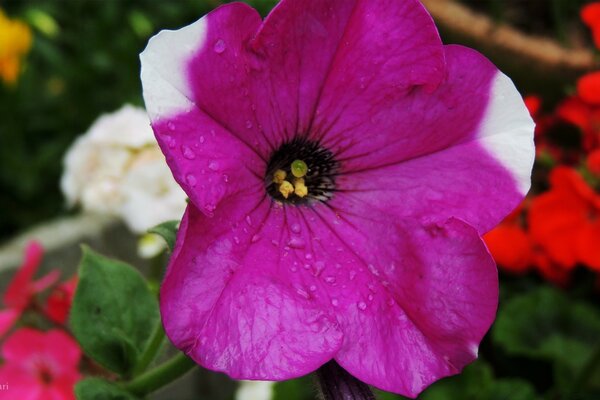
191,180
296,243
308,256
249,124
295,228
210,207
213,166
362,305
170,142
188,152
330,279
370,297
202,139
352,274
312,288
236,240
319,267
171,126
255,238
225,178
220,46
335,302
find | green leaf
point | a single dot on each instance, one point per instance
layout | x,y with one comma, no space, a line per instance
546,324
296,389
168,231
113,313
99,389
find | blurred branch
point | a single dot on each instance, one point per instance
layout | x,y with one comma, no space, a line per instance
540,53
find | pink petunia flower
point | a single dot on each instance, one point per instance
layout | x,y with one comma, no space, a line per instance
39,365
23,288
341,165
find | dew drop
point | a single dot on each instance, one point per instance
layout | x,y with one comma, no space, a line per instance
220,46
274,242
302,293
191,180
352,274
296,228
210,207
296,243
308,256
225,178
170,142
255,238
249,124
362,305
171,126
236,240
213,166
312,288
330,279
188,152
319,267
370,297
202,139
335,302
294,267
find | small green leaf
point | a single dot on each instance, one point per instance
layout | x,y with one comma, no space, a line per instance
168,231
99,389
113,313
295,389
546,324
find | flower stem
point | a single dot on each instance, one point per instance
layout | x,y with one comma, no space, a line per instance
337,384
160,376
151,350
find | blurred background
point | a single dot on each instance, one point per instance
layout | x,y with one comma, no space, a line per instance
65,63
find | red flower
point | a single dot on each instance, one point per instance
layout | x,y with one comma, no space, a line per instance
593,162
510,245
23,288
583,115
588,88
59,301
590,15
565,221
39,365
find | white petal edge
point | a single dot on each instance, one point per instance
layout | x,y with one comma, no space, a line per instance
507,129
164,63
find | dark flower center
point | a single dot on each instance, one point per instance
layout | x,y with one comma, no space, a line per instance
301,171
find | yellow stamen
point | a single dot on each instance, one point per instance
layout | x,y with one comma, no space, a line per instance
300,187
279,176
299,168
286,189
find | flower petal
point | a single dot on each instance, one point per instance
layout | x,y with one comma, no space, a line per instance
465,150
231,303
413,297
8,317
18,291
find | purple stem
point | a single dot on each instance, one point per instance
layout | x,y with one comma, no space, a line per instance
337,384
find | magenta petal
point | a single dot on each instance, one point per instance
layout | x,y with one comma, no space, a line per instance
231,303
465,150
443,292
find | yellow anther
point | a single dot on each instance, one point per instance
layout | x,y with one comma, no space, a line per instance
279,176
299,168
300,187
286,189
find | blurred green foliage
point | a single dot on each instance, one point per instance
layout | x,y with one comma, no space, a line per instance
84,62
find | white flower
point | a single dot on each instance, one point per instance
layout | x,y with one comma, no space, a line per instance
117,168
255,390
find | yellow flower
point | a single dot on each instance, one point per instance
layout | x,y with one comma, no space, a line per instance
15,42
